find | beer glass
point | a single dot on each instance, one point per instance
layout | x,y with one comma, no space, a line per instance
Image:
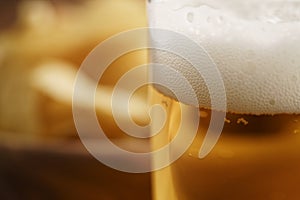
256,47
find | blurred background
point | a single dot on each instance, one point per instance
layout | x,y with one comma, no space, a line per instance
42,44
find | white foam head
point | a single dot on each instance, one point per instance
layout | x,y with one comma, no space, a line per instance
255,45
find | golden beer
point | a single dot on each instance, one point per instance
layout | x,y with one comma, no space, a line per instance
256,157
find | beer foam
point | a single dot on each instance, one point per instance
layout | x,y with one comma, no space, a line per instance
256,47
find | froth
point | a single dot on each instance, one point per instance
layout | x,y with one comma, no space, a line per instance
257,52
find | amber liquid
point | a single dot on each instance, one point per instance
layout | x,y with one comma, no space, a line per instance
256,157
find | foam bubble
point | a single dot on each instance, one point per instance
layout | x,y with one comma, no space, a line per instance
256,47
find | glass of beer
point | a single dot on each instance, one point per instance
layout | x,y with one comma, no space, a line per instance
255,45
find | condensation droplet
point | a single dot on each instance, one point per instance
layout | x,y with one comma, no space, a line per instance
190,17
